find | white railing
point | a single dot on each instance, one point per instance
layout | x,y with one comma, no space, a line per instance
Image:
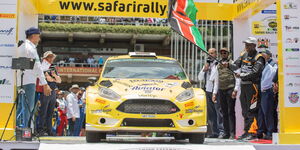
59,64
103,20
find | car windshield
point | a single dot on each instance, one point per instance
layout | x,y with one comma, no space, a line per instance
144,69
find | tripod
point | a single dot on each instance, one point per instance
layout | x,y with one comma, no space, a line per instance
21,92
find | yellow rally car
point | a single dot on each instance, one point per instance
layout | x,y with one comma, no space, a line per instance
142,92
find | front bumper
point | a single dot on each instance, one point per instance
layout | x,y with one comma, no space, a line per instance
201,129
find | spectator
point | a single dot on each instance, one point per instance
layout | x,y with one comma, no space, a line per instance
53,18
48,102
251,64
62,109
30,76
71,60
228,88
266,110
90,61
73,112
209,75
101,61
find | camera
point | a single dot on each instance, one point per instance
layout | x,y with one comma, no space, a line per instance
209,60
51,68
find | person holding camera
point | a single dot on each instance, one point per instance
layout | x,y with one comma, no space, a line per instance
27,102
48,101
229,85
209,74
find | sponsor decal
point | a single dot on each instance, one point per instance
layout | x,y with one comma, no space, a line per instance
268,11
5,67
148,116
267,25
287,17
180,116
292,49
106,106
147,84
292,40
193,111
9,56
294,97
173,109
293,74
263,43
8,16
189,104
5,97
146,80
146,88
292,58
171,84
291,28
5,82
122,83
293,84
97,111
101,101
6,31
292,66
147,95
7,45
290,5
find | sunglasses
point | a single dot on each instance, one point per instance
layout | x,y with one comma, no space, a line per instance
224,53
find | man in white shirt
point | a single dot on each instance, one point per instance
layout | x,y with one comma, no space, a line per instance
209,74
73,113
26,103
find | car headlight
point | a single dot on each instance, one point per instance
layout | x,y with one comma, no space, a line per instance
109,94
185,95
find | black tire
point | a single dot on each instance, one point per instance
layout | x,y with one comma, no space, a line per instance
196,138
179,136
94,137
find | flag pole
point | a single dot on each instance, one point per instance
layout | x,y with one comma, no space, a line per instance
219,61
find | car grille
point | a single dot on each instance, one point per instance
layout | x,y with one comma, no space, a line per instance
134,122
148,106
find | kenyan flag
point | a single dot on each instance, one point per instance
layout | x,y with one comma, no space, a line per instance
182,16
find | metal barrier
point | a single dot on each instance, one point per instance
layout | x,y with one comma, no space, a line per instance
103,20
59,64
216,34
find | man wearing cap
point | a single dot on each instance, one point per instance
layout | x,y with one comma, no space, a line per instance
251,64
266,110
229,85
29,80
73,113
48,102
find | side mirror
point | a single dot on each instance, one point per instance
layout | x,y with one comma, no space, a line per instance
194,82
92,80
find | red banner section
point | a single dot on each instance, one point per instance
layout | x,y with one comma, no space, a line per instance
79,70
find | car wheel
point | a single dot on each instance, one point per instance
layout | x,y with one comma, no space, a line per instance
93,137
196,138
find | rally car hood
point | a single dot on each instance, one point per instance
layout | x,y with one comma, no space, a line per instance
147,88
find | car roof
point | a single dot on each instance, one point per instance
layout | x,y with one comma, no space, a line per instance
128,57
